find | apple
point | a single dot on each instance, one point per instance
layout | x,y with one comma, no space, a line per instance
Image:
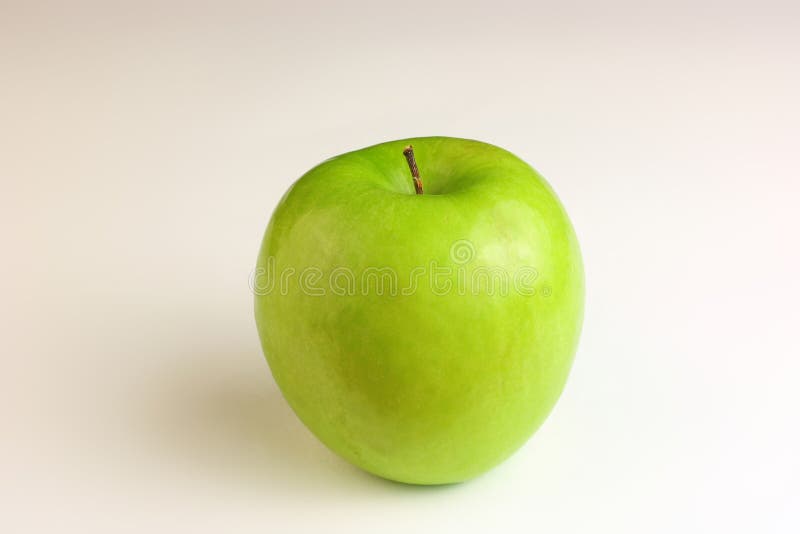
419,303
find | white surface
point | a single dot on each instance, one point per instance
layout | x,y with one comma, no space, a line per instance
144,147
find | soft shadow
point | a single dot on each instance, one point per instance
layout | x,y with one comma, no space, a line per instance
237,428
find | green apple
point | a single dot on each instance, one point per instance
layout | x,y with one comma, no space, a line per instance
422,329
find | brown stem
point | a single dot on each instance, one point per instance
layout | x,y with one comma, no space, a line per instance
408,152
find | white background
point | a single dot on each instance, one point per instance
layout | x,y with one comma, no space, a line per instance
143,147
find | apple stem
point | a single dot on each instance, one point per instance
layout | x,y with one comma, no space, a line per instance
408,152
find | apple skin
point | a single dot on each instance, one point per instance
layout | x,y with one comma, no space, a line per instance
422,388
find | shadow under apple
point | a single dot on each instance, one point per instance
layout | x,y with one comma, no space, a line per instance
227,421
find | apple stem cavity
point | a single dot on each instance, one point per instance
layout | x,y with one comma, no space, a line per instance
408,152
